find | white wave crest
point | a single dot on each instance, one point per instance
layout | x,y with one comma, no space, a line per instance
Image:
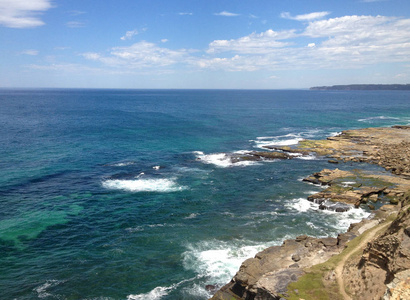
301,205
218,260
42,289
339,220
123,164
143,185
155,294
158,292
280,140
223,160
307,157
375,119
287,139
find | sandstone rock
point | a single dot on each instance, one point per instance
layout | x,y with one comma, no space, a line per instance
271,270
295,257
374,197
381,269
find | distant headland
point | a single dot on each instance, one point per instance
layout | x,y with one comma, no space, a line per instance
363,87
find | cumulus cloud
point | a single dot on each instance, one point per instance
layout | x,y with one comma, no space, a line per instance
22,13
254,43
305,17
345,42
140,55
226,14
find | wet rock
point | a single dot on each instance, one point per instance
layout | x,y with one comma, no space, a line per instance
271,155
212,288
333,161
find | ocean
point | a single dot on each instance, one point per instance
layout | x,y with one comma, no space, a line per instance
131,194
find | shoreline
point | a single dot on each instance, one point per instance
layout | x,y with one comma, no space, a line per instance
294,269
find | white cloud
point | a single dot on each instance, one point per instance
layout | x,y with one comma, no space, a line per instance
305,17
141,55
129,34
164,40
75,24
226,14
346,25
185,14
31,52
22,13
345,42
254,43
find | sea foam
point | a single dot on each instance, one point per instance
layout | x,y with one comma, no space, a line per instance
158,292
155,294
287,139
218,260
143,185
340,221
223,160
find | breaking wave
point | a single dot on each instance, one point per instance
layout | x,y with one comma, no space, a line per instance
143,185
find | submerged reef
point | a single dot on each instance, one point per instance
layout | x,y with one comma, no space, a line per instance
369,261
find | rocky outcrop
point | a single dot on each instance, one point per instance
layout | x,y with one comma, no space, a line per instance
388,147
382,271
267,275
355,188
376,262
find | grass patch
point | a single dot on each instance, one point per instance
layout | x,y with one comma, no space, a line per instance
309,286
312,285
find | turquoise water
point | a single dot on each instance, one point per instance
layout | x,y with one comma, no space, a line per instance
130,194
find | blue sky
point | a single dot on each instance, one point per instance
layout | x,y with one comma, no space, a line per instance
228,44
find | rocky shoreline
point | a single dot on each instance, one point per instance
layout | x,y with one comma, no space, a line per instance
372,259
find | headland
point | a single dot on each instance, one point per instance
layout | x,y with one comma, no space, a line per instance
369,261
364,87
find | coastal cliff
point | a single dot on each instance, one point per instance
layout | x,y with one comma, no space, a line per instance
372,259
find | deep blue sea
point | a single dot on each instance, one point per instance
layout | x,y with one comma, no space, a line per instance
130,194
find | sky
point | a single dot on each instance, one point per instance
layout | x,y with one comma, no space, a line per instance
203,44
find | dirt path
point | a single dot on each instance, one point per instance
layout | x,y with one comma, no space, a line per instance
341,264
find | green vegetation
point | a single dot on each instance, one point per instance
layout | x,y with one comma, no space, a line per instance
313,286
309,286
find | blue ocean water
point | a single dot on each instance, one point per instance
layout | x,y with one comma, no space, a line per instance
130,194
